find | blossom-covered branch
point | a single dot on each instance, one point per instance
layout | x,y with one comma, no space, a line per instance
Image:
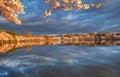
67,5
10,10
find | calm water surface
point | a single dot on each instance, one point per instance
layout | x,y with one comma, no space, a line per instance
62,61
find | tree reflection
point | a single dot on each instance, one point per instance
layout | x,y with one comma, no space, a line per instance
27,45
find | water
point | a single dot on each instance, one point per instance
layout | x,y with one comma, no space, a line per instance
62,61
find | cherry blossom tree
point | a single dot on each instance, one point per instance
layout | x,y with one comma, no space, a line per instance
67,5
10,10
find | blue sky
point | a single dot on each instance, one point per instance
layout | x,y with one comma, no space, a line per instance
104,19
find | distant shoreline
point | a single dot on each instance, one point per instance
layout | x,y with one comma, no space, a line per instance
13,37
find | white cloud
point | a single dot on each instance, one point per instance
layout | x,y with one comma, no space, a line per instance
3,20
67,17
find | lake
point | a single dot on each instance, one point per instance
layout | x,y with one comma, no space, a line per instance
61,61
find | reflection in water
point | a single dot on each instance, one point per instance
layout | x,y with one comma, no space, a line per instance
9,47
88,39
62,61
61,58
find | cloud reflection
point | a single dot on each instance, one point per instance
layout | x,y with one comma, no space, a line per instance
64,60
